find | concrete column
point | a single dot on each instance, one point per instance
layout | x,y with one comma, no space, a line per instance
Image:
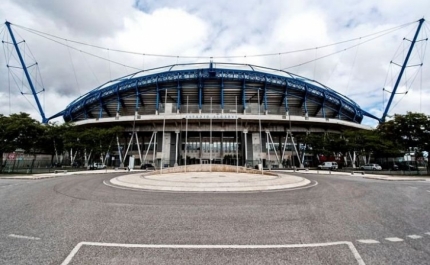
166,148
154,151
281,165
245,133
200,147
268,149
222,146
256,147
176,147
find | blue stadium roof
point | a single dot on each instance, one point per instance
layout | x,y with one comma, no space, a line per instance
226,83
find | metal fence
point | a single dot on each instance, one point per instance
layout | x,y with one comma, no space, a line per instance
34,166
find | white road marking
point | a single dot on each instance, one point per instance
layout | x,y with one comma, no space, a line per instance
428,233
428,191
101,244
24,237
368,241
414,236
394,239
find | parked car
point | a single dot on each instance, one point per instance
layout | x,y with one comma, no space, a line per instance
56,164
393,167
147,166
371,167
96,166
404,166
328,166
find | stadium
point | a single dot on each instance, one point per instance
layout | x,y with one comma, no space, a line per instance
214,113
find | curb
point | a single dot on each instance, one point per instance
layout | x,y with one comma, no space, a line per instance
395,179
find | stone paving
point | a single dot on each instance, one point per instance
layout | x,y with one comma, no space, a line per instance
209,182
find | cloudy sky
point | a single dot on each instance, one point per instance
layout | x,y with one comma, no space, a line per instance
359,67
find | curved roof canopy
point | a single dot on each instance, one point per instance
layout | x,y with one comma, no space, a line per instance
225,83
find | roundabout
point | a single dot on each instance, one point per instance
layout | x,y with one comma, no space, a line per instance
209,182
213,217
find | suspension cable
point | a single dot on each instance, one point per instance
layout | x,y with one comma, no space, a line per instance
40,33
333,53
74,71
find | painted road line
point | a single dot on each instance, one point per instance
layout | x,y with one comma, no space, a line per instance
101,244
394,239
23,237
368,241
428,233
414,236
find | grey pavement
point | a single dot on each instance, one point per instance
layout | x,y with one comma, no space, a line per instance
364,174
64,172
395,178
343,220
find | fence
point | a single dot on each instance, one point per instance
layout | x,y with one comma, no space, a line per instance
33,166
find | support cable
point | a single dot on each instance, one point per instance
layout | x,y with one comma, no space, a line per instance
110,74
40,33
8,80
89,66
352,66
408,88
402,70
25,70
421,85
88,53
333,53
73,67
315,62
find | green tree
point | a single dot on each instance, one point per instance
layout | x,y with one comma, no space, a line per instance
94,142
409,131
52,141
23,132
6,138
19,131
366,143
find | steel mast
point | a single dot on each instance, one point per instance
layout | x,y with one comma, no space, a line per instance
27,75
402,70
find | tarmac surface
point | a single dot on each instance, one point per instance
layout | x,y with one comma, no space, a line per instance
203,177
75,218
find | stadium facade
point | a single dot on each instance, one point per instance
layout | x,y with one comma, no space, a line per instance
214,113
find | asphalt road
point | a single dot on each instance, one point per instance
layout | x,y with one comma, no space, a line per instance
342,220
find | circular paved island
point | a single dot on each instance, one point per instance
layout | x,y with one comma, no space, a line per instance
209,182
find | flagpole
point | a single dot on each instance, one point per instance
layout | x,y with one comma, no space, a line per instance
164,125
186,137
210,141
259,124
237,147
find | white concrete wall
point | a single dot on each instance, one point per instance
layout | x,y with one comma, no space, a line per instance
256,147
